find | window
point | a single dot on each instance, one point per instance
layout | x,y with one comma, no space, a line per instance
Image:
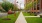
37,7
34,0
34,8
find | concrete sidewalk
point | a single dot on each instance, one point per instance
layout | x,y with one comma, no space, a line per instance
21,19
32,16
3,14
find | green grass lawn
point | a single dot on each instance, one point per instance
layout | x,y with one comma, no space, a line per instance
28,14
34,20
11,16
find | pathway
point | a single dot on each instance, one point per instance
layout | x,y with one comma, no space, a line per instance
32,16
21,19
3,14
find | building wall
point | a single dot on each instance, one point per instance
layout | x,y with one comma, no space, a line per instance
34,9
41,3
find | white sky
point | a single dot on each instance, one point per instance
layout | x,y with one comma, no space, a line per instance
19,1
22,4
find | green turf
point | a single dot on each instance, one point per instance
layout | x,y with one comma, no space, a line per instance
28,14
11,16
34,20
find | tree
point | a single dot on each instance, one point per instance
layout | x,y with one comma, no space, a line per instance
15,8
7,5
29,5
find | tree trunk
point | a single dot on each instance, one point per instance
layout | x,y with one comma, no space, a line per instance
15,13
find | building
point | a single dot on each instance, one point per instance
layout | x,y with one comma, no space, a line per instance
36,6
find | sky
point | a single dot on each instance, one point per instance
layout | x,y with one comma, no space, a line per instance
0,0
21,4
18,4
